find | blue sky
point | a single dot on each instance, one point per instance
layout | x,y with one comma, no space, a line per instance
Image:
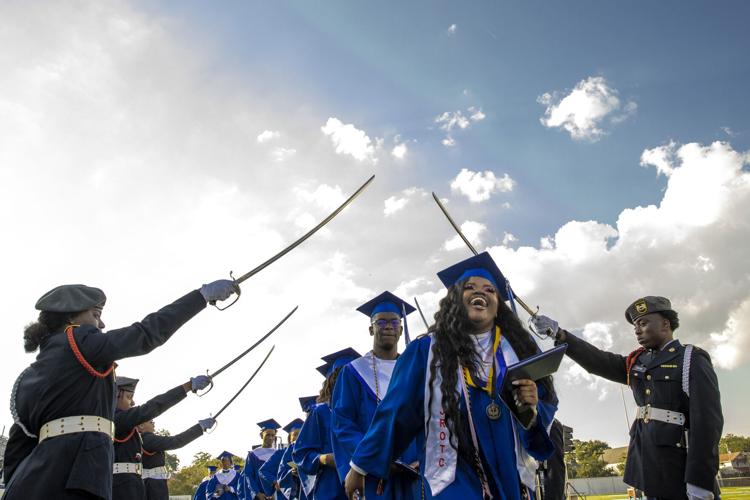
598,150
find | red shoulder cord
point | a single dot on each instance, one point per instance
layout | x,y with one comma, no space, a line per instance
127,438
630,361
147,453
81,359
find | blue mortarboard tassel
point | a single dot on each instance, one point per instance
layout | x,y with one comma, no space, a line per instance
509,291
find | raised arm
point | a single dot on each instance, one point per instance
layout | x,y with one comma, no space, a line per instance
128,419
153,442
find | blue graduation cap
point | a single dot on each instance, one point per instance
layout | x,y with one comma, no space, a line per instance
269,425
211,468
226,454
237,468
386,302
307,403
297,423
480,265
337,360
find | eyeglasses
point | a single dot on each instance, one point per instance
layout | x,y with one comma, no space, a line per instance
382,323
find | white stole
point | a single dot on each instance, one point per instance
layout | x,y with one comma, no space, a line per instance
263,454
363,367
225,476
441,457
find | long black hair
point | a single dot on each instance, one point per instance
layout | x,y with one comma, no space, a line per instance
452,344
47,324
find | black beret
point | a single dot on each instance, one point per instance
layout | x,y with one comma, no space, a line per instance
71,298
647,305
126,383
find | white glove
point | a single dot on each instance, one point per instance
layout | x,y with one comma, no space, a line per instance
697,493
544,325
219,290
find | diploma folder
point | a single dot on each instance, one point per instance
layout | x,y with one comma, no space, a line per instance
535,367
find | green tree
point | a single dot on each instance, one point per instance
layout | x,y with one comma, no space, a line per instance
186,480
586,459
732,444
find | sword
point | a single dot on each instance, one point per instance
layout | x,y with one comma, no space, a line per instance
293,245
421,314
245,384
264,337
407,340
474,251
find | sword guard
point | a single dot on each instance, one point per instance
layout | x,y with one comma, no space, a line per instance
211,386
211,430
239,292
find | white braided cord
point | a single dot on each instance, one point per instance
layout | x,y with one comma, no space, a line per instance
686,369
13,409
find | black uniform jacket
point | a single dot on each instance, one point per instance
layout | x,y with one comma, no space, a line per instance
661,459
128,445
56,385
154,447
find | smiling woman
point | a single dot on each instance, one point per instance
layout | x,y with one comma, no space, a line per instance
445,392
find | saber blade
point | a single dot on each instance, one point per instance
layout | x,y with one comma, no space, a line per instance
474,250
306,235
246,383
264,337
424,320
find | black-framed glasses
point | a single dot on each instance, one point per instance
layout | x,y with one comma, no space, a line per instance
382,323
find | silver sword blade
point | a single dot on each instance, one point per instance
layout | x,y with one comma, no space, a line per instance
246,383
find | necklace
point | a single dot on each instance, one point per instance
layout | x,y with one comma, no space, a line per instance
375,374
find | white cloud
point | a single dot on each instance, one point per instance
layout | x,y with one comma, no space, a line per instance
399,151
325,196
268,135
280,154
448,141
395,203
451,121
452,29
586,109
690,247
509,239
479,186
472,230
476,114
349,140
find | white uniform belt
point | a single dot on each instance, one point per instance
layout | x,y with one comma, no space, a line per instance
156,473
77,423
127,468
648,413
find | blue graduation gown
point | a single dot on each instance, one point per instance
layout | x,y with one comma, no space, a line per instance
353,406
315,440
400,417
231,478
269,474
251,473
289,482
200,493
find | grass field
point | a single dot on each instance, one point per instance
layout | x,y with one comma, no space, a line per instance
741,492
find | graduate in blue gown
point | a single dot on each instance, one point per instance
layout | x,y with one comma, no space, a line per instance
313,451
360,386
491,450
306,483
225,482
200,493
286,477
253,487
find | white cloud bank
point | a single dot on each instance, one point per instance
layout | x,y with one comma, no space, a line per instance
691,248
268,135
586,110
450,121
349,140
479,186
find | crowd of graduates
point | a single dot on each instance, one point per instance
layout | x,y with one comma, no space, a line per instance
440,420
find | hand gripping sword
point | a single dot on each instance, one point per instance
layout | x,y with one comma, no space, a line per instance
294,245
246,383
242,355
474,251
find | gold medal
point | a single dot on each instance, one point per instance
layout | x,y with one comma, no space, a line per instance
493,411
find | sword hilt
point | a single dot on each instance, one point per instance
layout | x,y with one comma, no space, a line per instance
210,386
239,292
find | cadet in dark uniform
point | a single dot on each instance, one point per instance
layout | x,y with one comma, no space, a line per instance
673,452
60,445
128,483
155,474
